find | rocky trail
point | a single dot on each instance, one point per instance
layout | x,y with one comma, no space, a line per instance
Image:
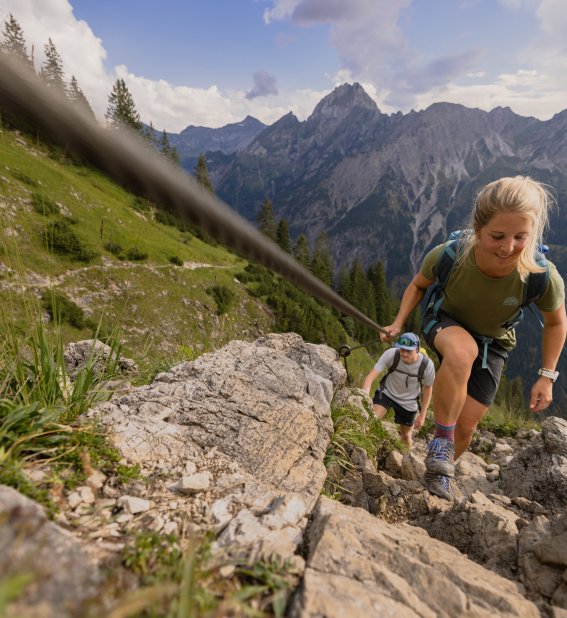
234,444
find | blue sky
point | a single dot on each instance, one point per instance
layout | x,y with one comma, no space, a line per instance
212,62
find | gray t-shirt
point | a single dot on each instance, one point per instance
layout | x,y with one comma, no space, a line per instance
404,388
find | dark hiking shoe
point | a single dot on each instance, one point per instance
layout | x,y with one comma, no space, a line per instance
440,457
439,485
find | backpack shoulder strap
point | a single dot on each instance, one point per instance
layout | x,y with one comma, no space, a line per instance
446,262
536,285
392,367
534,288
422,368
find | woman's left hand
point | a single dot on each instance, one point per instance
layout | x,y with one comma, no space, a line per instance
541,395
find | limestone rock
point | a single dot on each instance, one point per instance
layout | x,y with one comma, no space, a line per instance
62,577
539,471
358,565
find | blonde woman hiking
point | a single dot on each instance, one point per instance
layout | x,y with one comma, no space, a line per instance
482,281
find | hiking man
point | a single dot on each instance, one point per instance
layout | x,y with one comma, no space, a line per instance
408,369
470,322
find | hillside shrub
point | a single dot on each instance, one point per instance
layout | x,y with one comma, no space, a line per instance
175,259
113,247
294,310
223,296
62,239
23,177
62,309
141,204
44,205
135,254
167,218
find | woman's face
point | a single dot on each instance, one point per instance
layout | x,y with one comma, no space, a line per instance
502,239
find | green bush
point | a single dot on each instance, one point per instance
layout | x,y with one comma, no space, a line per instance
23,177
113,247
223,297
44,205
141,204
62,309
175,259
135,254
62,239
168,218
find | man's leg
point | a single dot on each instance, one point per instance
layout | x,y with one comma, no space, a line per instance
379,411
406,432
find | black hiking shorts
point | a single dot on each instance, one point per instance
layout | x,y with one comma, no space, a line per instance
483,383
401,415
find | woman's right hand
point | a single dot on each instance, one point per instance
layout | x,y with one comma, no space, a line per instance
391,331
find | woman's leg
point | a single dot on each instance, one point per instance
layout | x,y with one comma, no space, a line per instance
468,420
459,351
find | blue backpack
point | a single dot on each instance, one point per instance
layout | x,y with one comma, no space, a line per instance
534,287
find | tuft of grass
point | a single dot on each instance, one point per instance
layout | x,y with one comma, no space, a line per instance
188,584
39,412
351,428
503,421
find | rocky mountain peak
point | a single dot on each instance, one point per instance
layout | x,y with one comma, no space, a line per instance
342,101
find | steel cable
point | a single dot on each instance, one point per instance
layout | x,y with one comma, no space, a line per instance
134,164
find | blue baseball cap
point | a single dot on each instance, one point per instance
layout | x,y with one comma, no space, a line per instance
407,341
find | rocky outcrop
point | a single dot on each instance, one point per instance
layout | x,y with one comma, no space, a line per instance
359,565
233,444
539,472
49,563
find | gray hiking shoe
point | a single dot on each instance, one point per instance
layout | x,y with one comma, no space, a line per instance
440,457
439,485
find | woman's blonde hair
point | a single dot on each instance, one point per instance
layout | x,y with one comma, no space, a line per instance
518,195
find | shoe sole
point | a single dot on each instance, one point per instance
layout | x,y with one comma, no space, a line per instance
440,493
440,467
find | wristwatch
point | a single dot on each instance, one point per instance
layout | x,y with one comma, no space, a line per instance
548,373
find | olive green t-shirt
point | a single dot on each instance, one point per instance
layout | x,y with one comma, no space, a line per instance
482,304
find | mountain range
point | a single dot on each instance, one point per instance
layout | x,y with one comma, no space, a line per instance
382,186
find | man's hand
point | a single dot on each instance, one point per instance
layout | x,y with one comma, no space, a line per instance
419,421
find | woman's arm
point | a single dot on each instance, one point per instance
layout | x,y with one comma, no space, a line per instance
410,300
553,339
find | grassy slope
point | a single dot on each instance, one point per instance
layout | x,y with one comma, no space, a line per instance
156,307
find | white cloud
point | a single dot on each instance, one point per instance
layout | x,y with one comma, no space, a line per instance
165,105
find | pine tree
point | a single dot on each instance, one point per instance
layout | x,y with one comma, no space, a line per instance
174,156
171,151
382,297
202,173
13,42
76,96
301,250
121,109
164,145
282,235
266,220
52,67
321,261
359,292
